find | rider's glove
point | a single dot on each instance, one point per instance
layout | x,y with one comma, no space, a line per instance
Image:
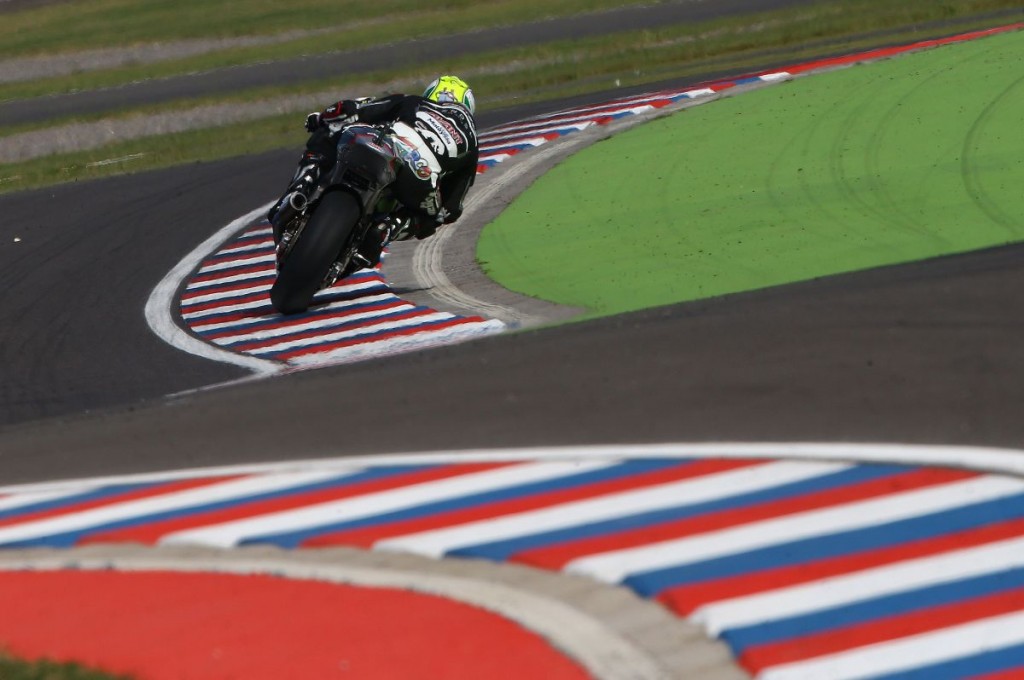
312,122
342,113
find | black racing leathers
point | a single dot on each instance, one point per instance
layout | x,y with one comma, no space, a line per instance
449,130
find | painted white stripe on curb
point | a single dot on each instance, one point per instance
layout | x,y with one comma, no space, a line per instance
189,300
261,244
238,263
682,493
969,639
328,322
115,512
327,338
614,566
838,591
326,309
234,533
21,500
422,339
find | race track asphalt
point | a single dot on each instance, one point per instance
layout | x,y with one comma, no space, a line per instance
927,352
923,353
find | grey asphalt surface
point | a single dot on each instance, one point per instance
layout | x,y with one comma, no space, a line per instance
927,353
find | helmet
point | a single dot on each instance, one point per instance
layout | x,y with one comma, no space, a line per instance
451,90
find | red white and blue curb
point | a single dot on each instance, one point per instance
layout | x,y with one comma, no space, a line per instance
221,291
807,560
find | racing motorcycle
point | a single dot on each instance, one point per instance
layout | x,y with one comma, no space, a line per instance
321,236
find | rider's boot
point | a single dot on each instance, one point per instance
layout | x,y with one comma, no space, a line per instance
372,245
300,188
376,239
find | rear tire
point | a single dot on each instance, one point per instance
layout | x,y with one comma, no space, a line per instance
313,253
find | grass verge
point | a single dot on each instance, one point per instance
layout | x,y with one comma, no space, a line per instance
393,22
102,24
151,153
16,669
517,76
788,183
570,67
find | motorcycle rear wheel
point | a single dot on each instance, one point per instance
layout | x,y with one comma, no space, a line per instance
315,250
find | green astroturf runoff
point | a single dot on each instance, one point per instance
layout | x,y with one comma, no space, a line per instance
883,163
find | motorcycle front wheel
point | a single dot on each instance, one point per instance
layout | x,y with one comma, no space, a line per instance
315,250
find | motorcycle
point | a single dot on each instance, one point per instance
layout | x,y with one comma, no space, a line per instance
321,238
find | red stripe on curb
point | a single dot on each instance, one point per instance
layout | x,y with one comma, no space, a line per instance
218,290
264,270
556,557
151,532
882,630
398,333
336,315
684,600
367,536
349,326
116,498
193,308
1008,674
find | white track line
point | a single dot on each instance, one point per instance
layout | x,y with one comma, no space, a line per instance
159,304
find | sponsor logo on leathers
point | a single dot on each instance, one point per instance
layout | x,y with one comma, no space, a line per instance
439,135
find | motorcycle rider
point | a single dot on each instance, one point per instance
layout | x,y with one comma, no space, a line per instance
440,136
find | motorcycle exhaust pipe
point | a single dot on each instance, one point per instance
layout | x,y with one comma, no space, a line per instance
297,201
292,204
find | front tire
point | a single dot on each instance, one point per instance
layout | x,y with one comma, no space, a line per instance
314,251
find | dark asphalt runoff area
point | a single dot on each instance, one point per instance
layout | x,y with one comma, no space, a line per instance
926,353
